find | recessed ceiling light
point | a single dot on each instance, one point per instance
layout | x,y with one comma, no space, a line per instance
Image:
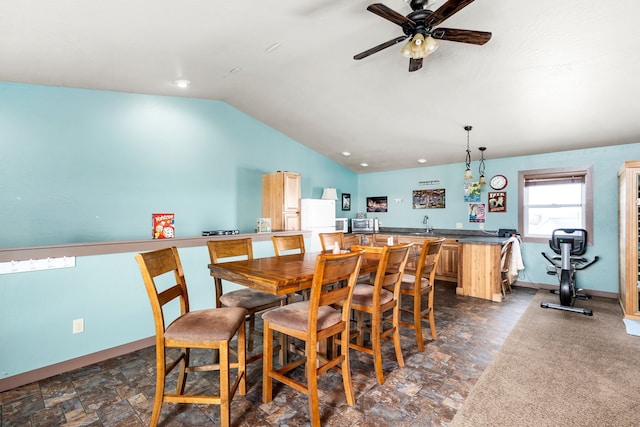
346,153
183,84
364,164
422,160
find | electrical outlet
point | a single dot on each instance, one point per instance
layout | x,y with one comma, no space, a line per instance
78,326
481,226
458,225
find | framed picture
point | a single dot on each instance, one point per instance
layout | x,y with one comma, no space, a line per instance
476,212
377,204
497,201
346,201
423,199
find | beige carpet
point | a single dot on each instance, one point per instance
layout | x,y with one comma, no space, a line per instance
559,368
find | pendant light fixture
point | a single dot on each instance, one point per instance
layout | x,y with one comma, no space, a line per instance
467,173
482,180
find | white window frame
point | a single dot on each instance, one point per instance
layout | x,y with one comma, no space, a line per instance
559,175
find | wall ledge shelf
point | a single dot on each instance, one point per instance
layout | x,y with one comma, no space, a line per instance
123,246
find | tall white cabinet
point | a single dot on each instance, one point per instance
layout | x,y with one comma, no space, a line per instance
629,241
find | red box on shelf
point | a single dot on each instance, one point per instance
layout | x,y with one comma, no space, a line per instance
163,225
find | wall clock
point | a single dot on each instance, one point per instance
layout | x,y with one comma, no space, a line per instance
498,182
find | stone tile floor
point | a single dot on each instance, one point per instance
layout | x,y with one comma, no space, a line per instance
426,392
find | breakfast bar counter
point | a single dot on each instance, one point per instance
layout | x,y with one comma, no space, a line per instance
480,267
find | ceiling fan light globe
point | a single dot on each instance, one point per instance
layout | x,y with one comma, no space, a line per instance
417,42
406,50
431,44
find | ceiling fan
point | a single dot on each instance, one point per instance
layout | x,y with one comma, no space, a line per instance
419,27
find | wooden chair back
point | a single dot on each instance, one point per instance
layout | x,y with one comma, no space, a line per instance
288,243
327,240
224,250
155,264
428,261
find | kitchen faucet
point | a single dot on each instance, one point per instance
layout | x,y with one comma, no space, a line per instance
425,221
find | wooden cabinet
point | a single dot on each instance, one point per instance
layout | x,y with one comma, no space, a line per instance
281,200
629,241
447,268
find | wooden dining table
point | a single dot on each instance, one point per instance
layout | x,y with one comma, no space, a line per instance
278,275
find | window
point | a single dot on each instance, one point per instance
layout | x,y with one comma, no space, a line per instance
554,198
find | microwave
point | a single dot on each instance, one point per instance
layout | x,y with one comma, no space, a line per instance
342,224
364,225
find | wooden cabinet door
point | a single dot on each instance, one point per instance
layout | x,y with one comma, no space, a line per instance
291,220
291,202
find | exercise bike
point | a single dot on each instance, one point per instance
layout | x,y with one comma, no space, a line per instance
570,244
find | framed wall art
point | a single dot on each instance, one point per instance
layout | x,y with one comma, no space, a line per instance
377,204
346,201
423,199
497,201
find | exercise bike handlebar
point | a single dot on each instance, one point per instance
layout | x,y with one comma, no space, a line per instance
581,263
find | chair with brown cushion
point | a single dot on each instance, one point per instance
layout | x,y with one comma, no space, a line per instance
288,243
375,300
208,329
313,322
250,299
505,262
328,240
419,284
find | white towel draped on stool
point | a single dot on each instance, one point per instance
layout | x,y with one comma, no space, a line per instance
515,263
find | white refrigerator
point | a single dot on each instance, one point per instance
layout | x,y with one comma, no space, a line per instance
317,216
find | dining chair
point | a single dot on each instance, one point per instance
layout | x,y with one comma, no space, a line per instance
252,300
505,261
419,284
289,243
375,300
328,240
313,322
203,329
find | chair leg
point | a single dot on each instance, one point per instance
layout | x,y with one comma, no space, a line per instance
242,360
312,385
225,409
396,335
182,375
376,345
252,331
417,321
267,362
160,384
346,365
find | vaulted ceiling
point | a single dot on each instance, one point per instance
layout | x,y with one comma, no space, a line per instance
556,75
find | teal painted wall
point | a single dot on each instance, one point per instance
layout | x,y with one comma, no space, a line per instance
606,162
83,166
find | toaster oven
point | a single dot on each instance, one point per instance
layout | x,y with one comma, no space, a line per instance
364,225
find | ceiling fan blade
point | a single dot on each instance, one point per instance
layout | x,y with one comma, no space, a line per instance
415,64
390,15
445,11
463,36
379,47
